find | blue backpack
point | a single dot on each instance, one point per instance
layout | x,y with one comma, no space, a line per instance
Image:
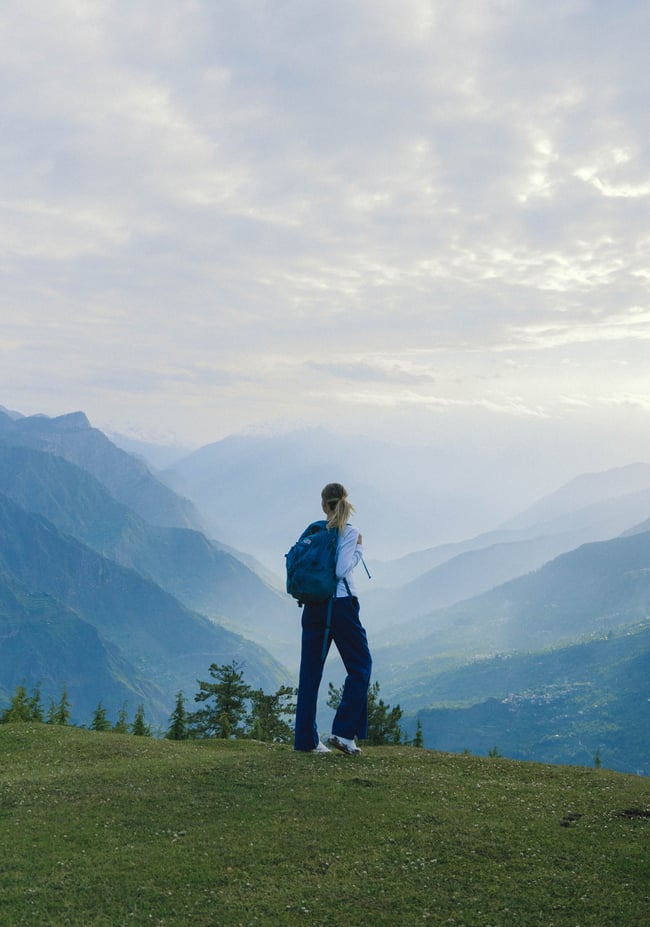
311,564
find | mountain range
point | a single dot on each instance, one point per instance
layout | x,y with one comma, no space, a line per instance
408,497
121,577
589,591
583,704
197,571
135,638
556,574
96,598
126,477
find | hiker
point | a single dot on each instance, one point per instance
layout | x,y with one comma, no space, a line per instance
351,718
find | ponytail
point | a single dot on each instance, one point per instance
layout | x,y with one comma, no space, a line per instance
337,506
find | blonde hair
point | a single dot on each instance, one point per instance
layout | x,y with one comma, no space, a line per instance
337,506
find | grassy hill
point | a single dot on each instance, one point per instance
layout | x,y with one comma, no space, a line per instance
104,829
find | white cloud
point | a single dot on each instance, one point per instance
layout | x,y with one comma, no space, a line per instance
220,214
633,325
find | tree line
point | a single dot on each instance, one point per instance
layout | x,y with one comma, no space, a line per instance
26,707
226,707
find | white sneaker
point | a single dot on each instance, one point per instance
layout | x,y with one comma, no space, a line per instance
321,748
343,744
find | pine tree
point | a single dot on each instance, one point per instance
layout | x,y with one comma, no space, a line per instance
383,721
418,740
19,709
139,727
100,722
121,726
59,714
266,720
225,726
225,699
35,707
178,728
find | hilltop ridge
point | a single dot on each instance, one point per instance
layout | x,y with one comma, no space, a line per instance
235,832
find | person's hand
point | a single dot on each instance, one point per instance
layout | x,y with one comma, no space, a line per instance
359,539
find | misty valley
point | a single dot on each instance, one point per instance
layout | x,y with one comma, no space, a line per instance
123,579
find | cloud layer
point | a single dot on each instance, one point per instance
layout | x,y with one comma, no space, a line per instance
222,214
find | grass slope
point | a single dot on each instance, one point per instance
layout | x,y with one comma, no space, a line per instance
103,829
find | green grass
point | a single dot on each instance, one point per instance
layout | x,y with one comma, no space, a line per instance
105,829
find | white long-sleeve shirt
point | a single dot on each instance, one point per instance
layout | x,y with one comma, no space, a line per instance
348,554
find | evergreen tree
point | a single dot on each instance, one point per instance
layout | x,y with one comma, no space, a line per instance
35,707
100,722
266,720
139,727
178,727
225,726
19,708
383,721
225,703
59,713
418,740
121,726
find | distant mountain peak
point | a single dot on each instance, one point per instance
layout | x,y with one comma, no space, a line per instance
30,424
71,421
10,413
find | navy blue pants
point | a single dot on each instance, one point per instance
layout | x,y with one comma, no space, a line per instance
351,718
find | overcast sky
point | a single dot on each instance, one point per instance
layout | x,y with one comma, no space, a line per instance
225,214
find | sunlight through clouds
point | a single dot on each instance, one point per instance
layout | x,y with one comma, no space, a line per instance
314,208
633,325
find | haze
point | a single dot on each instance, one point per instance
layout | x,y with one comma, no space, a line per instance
427,220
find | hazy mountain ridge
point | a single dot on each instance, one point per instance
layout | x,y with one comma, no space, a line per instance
481,568
578,702
153,635
45,643
599,586
583,592
407,497
564,706
180,560
468,570
10,413
158,457
605,659
583,492
126,477
463,576
280,483
565,523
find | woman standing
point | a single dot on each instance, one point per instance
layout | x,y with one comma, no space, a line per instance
351,718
